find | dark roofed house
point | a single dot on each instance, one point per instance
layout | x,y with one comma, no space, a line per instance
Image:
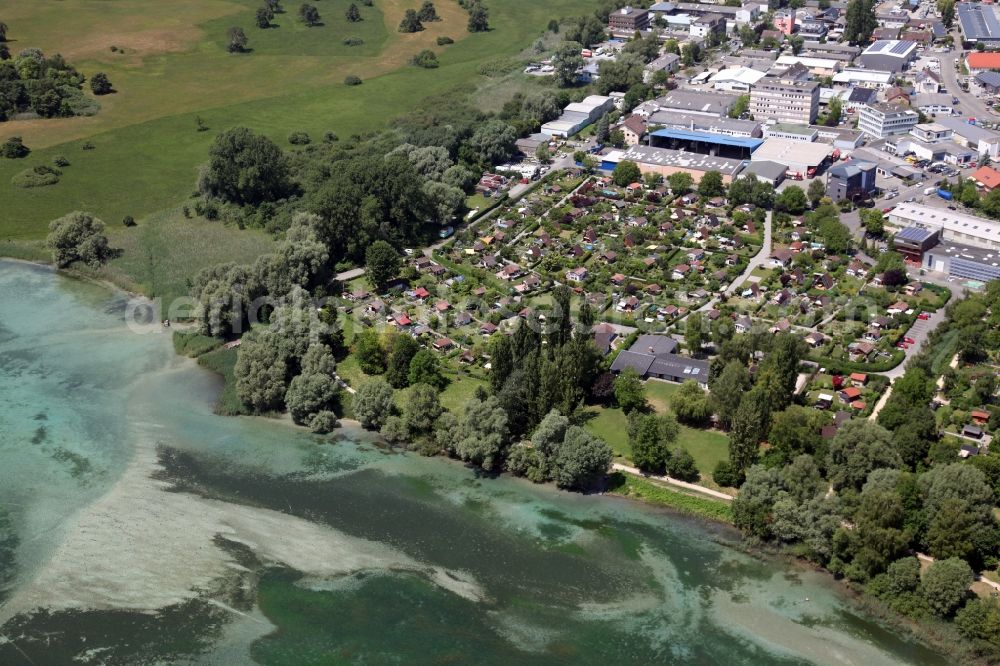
652,356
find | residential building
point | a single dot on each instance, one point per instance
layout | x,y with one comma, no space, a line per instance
784,21
850,180
669,63
785,101
880,121
708,27
889,55
927,82
652,356
628,19
986,177
633,129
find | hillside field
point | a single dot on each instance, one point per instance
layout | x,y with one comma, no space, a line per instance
171,67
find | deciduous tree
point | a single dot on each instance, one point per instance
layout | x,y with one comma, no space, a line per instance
373,403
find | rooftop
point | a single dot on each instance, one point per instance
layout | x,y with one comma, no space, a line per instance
970,132
709,137
791,128
697,101
683,159
691,121
895,48
790,150
950,220
914,235
988,176
991,79
863,75
978,21
977,254
985,60
739,74
766,169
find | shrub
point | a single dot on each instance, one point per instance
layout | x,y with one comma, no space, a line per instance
726,475
60,161
299,138
425,59
353,41
128,221
444,41
100,84
330,137
38,176
88,145
324,422
352,80
13,148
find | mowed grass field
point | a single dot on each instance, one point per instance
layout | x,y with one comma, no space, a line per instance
707,447
174,69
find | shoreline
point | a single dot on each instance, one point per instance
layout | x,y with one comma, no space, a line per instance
271,535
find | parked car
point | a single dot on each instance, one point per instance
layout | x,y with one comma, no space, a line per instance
910,341
924,316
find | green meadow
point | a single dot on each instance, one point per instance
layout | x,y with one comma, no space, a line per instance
140,154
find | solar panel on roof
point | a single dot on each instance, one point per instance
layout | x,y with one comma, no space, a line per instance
900,48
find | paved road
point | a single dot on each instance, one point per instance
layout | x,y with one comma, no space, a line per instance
347,276
755,262
714,494
969,104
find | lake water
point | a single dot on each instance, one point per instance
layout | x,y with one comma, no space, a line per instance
148,530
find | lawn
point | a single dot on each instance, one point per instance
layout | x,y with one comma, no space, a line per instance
707,447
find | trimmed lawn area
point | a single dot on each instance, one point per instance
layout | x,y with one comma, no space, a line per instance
707,447
659,394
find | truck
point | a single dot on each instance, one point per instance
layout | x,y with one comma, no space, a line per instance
930,190
944,194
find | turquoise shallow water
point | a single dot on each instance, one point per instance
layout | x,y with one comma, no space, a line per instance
336,552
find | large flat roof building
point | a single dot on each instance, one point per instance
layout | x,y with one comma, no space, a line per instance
798,156
986,142
955,226
863,77
665,161
785,101
979,23
694,102
715,125
962,261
